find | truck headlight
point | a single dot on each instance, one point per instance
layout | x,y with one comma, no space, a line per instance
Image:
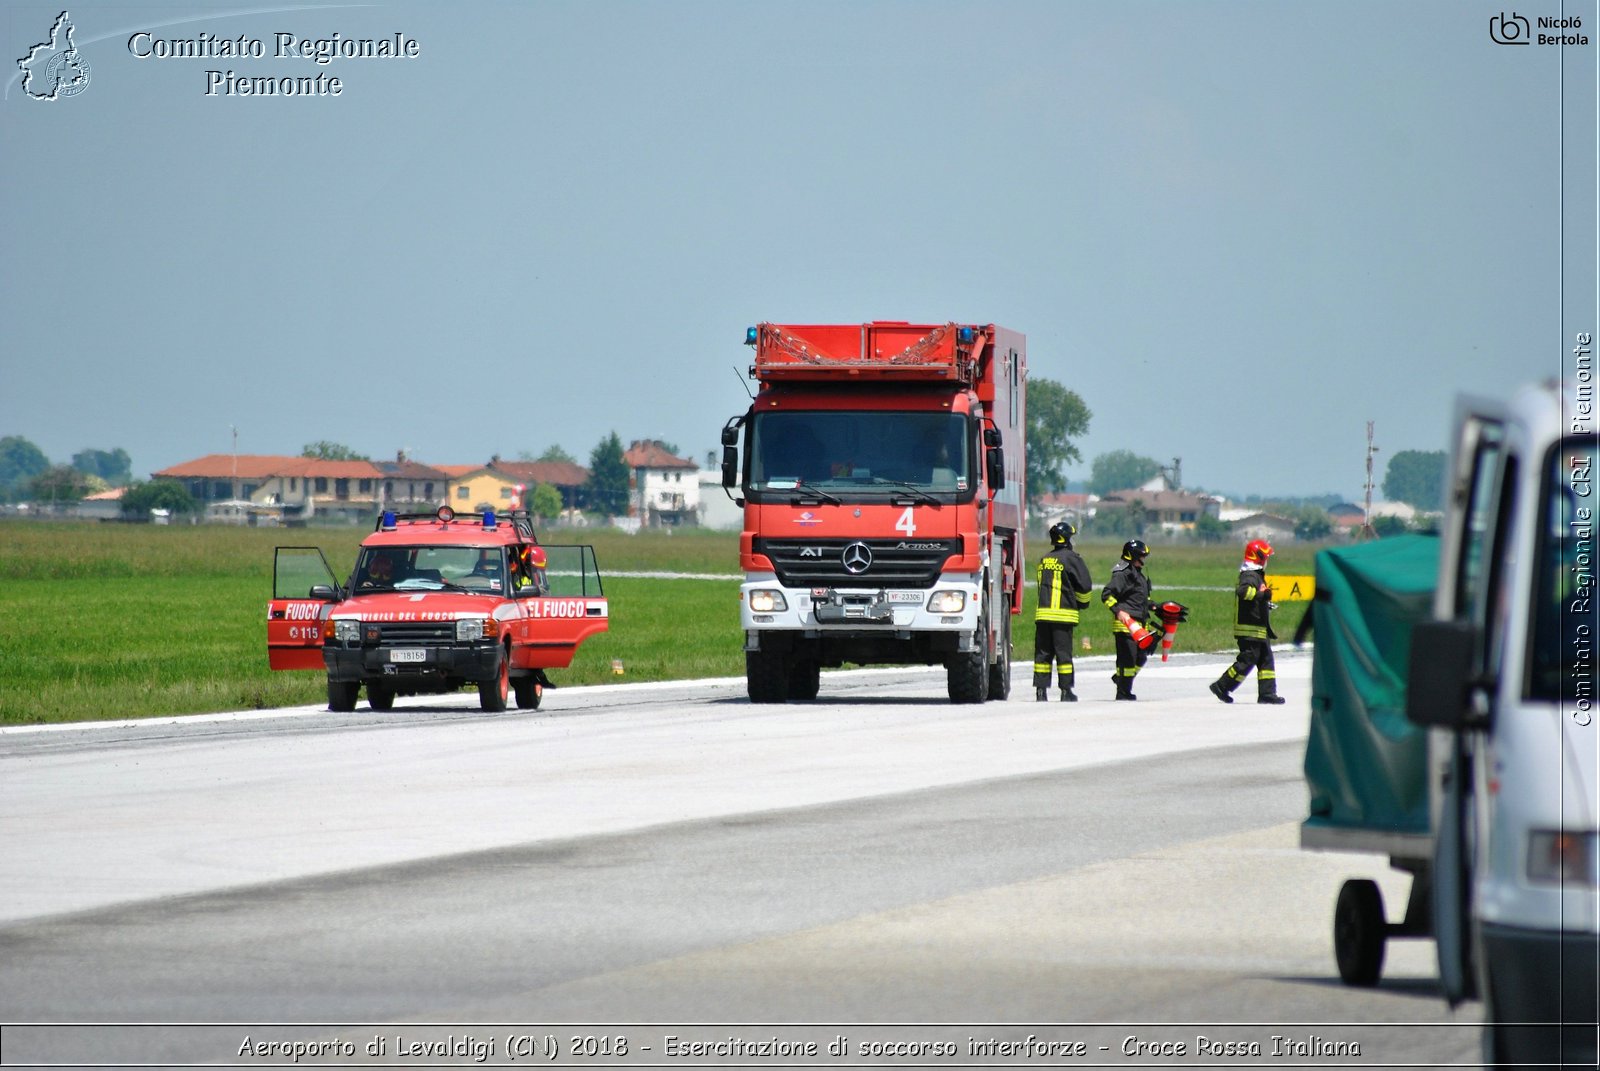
346,631
1560,858
947,602
766,602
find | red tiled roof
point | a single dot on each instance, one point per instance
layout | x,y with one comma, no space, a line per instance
555,473
410,470
455,472
649,454
244,466
268,466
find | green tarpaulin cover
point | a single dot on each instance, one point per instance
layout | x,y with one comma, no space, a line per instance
1366,765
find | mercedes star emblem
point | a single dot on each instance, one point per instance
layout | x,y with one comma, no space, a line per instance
857,558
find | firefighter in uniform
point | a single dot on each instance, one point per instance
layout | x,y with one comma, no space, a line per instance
1128,592
1064,588
1252,628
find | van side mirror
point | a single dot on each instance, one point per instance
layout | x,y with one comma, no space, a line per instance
323,592
1439,680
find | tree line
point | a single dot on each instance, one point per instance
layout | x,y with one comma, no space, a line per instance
1057,418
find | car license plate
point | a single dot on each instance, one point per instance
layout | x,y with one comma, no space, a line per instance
408,654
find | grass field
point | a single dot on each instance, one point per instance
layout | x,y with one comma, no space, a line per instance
123,621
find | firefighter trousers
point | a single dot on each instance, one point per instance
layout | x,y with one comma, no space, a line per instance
1256,655
1052,641
1129,659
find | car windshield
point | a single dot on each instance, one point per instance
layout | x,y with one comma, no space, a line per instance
431,568
856,452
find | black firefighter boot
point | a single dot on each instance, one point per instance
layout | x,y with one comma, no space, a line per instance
1220,689
1068,695
1125,689
1271,698
1041,694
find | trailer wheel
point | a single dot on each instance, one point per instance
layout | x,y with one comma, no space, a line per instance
1359,932
805,680
342,696
766,677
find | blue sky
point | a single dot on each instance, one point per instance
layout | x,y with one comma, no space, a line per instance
1238,230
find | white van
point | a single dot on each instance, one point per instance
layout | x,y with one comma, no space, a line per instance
1505,674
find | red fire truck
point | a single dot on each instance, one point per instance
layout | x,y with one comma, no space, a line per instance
882,492
437,602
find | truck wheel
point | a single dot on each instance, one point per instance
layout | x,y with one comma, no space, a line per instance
1359,931
1000,669
529,692
493,693
380,697
342,696
766,677
805,678
967,675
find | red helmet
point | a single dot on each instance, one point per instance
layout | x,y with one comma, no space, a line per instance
534,556
1257,551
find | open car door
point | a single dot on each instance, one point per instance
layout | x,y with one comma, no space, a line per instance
551,626
303,588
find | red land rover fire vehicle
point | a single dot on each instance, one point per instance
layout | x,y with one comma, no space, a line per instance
437,602
882,514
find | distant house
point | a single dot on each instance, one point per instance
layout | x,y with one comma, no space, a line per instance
1170,510
716,506
1268,526
412,487
100,506
303,487
664,490
567,477
1074,507
475,488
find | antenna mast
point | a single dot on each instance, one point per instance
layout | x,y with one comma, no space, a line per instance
1367,531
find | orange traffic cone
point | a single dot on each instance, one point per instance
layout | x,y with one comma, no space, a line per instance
1170,630
1142,637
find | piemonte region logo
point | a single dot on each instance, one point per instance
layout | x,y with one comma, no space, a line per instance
53,69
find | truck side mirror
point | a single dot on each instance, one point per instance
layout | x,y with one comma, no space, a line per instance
995,459
1439,678
991,437
730,466
323,592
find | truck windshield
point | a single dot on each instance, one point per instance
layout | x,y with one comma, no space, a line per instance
860,452
1562,659
430,568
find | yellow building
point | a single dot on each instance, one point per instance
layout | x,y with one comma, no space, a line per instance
475,488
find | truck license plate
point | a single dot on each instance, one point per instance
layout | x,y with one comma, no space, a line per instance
408,654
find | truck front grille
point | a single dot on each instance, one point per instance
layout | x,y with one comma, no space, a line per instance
896,563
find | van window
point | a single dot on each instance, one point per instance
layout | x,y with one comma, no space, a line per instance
1480,516
1561,661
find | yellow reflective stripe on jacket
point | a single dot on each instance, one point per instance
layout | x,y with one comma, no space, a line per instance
1063,614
